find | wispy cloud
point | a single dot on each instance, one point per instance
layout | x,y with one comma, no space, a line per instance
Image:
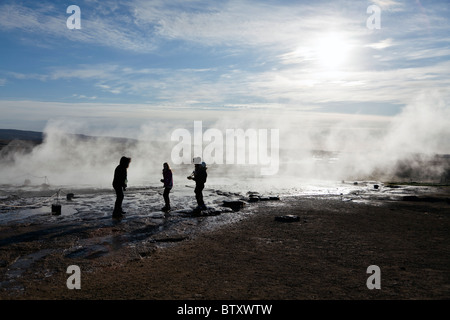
232,54
302,89
97,28
240,24
141,26
386,43
391,5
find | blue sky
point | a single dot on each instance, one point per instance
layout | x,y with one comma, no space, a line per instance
134,61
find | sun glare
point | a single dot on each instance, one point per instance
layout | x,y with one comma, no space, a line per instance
332,51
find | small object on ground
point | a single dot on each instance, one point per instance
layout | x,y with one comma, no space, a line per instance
287,218
376,186
69,196
269,198
56,209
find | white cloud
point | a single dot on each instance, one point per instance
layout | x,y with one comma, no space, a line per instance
291,85
386,43
27,76
279,38
83,97
390,5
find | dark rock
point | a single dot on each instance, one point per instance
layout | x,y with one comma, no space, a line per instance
287,218
256,198
235,205
208,212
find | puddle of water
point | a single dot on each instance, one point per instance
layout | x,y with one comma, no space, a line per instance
145,227
90,252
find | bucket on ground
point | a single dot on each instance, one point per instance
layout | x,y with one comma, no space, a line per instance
56,209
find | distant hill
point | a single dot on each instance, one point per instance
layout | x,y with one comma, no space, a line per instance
11,134
33,138
38,137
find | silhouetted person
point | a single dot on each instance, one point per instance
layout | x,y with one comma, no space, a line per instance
199,176
168,184
120,185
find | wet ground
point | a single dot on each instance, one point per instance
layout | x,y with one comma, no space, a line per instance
36,244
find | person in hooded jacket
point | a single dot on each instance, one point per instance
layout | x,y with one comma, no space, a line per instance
168,184
120,185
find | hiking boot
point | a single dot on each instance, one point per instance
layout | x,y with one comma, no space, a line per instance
117,215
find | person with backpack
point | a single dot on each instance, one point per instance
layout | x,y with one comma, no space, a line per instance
199,175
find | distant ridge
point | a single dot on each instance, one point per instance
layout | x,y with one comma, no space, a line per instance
7,135
12,134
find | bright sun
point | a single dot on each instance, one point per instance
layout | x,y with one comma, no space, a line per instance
332,51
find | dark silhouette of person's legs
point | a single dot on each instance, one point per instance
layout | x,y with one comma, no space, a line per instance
199,195
166,198
118,205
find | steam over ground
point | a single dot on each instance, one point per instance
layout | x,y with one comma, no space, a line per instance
413,145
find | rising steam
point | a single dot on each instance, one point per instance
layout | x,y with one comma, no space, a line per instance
410,146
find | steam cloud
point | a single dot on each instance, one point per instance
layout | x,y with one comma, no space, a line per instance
326,146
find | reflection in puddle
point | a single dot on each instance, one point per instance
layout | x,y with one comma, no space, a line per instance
85,229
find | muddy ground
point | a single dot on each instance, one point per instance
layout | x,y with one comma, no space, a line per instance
322,256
